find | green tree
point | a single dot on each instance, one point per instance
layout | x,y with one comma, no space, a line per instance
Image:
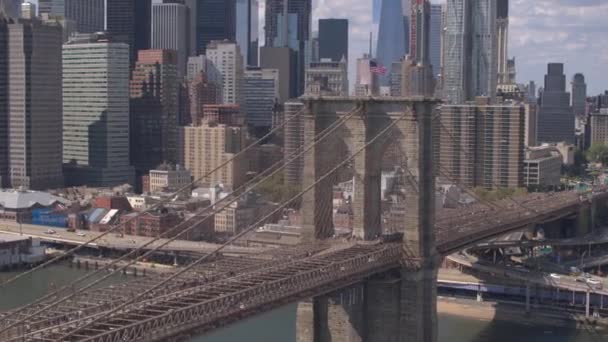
275,190
598,153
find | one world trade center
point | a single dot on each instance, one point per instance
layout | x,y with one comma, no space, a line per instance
391,45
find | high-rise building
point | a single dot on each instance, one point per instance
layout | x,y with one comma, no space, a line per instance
599,126
483,145
417,73
331,77
290,26
96,112
396,78
202,91
32,104
154,90
223,114
261,91
170,31
367,83
28,10
502,37
333,39
579,95
470,62
206,147
11,8
89,15
216,20
52,7
120,23
420,29
283,59
294,142
555,118
247,30
227,58
435,34
391,36
3,100
531,110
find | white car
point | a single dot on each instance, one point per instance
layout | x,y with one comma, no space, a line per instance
81,234
555,276
50,232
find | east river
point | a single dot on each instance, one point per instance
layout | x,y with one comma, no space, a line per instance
279,325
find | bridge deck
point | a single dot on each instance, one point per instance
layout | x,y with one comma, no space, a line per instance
229,288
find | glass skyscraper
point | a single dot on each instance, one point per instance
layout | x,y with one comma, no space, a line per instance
470,62
247,30
391,36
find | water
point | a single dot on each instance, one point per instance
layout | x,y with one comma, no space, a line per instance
279,325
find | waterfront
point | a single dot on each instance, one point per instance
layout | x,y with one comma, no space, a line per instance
279,325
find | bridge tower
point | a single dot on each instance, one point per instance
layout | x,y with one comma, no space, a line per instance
375,126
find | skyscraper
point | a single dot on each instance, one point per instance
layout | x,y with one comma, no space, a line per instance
391,36
333,39
34,104
502,36
283,59
227,58
470,62
290,27
247,30
96,112
89,15
484,49
170,31
120,23
154,90
3,100
11,8
261,91
579,95
216,20
483,144
416,70
52,7
555,117
435,34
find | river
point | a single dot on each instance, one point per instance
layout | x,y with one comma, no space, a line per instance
279,325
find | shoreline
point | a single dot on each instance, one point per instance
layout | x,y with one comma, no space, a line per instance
514,313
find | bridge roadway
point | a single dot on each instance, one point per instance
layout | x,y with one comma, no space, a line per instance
595,238
229,289
111,241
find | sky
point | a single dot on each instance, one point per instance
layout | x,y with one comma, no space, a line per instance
573,32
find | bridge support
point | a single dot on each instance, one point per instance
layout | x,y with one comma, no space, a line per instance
335,318
403,308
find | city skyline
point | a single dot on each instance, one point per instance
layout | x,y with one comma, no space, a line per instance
537,35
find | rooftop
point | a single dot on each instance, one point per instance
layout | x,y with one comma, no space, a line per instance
17,199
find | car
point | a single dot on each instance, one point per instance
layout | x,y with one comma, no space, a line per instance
50,232
555,276
587,275
581,280
81,234
596,284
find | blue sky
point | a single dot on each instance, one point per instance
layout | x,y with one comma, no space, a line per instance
574,32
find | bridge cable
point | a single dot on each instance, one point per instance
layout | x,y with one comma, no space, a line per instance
321,136
157,205
245,231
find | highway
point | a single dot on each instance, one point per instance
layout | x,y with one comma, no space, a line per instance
111,241
564,282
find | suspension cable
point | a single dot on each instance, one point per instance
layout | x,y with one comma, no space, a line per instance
157,205
322,135
243,232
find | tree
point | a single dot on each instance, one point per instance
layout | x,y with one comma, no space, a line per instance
598,153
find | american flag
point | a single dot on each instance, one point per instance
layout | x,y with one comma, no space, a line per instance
376,68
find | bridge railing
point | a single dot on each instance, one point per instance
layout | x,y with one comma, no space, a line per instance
285,290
